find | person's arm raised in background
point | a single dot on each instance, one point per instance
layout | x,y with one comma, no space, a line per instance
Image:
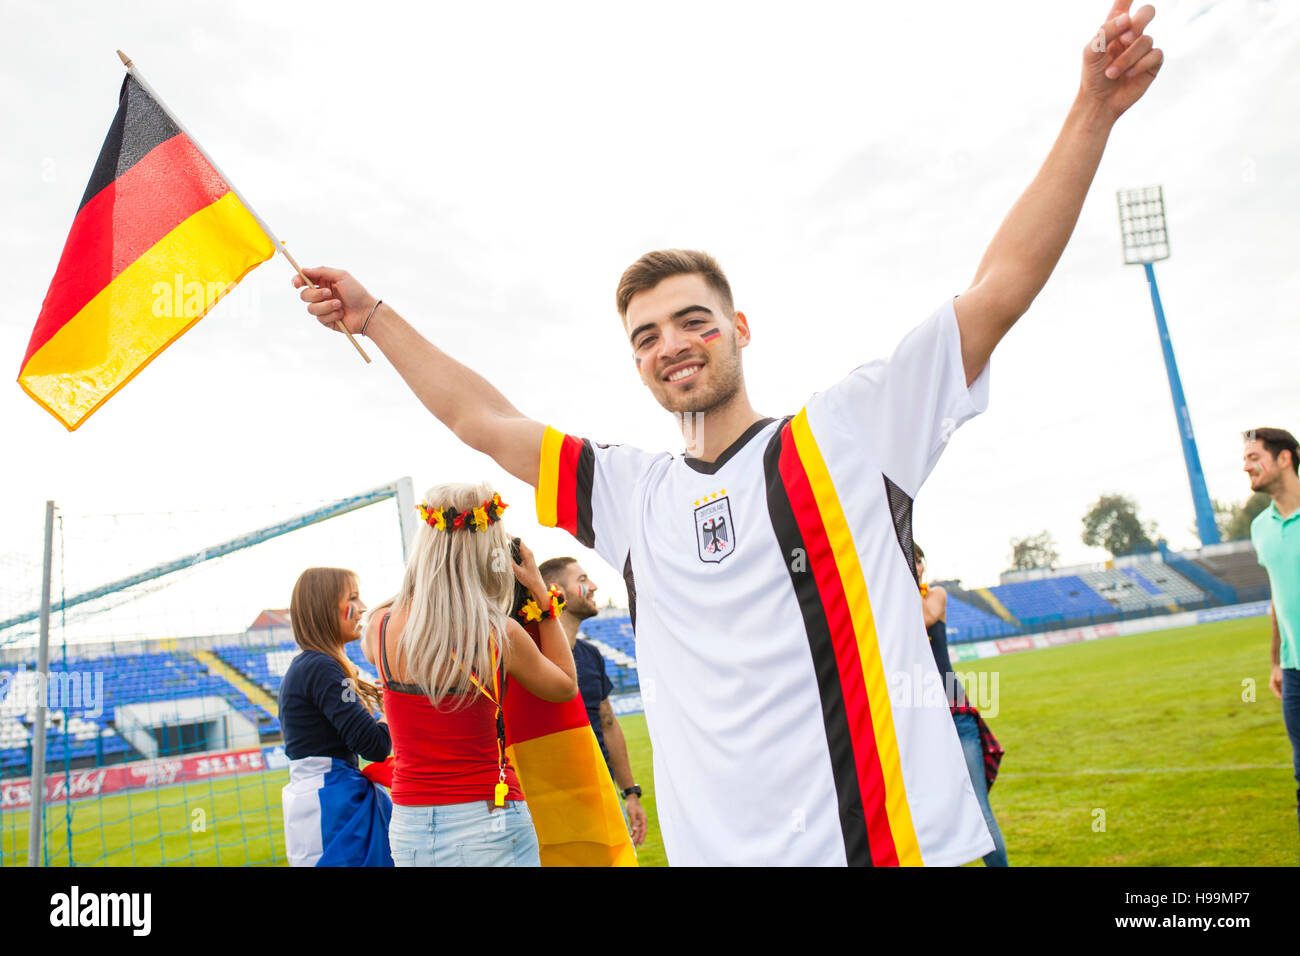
460,398
1119,64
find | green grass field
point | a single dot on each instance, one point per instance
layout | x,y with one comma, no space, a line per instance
1150,736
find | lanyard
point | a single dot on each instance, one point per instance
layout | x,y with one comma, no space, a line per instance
502,788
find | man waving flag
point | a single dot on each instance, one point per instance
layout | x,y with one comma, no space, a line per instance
772,658
158,238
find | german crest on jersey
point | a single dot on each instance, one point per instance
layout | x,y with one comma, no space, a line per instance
715,534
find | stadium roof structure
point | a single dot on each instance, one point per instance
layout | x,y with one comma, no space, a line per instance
269,618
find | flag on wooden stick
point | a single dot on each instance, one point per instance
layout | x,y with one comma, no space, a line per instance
159,237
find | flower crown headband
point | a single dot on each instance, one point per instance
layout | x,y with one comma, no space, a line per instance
476,519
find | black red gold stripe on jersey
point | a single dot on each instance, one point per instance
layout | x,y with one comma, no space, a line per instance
831,590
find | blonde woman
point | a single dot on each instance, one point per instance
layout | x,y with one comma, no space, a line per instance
333,816
445,650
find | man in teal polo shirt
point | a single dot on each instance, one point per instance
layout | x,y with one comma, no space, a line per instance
1272,460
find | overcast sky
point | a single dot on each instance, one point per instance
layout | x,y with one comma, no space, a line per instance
489,170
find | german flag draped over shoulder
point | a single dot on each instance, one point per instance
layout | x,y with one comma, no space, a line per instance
570,794
158,239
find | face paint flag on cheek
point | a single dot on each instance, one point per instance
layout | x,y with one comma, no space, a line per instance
711,337
351,612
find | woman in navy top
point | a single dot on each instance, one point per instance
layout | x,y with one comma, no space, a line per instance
333,816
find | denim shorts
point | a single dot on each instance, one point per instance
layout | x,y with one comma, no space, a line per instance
463,834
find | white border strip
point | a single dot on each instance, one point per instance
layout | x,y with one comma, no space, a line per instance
1093,632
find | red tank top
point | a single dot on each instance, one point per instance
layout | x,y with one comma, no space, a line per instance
441,756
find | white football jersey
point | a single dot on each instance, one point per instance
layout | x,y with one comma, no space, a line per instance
793,704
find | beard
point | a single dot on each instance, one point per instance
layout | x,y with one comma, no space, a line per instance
1270,486
724,385
582,611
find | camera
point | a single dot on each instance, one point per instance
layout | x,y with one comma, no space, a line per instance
521,593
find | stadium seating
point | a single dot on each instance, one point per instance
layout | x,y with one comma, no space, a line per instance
1127,592
1154,574
127,679
1052,600
613,637
970,598
1240,570
367,669
969,623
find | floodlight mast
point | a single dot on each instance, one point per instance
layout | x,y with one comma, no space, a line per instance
1146,240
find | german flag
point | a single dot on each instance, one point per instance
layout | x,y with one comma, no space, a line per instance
158,239
570,794
806,514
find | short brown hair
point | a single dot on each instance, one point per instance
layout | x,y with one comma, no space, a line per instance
653,267
1276,440
552,569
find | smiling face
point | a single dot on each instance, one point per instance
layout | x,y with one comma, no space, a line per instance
1263,469
579,592
686,344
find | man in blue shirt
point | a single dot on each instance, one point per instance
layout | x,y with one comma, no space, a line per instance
1272,460
594,684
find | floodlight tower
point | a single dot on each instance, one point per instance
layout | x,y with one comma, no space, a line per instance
1142,224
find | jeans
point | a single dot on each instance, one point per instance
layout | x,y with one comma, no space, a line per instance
1291,718
969,733
463,834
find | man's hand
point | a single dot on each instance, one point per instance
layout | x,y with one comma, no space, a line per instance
636,818
1029,243
1120,62
338,298
1275,681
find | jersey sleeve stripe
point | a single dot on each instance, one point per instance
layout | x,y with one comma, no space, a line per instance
564,483
583,478
548,477
566,499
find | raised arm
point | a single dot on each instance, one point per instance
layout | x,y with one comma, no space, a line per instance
1119,64
459,397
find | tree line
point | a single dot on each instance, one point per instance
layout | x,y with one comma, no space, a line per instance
1113,523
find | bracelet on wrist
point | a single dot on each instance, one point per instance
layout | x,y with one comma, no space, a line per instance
531,611
373,309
